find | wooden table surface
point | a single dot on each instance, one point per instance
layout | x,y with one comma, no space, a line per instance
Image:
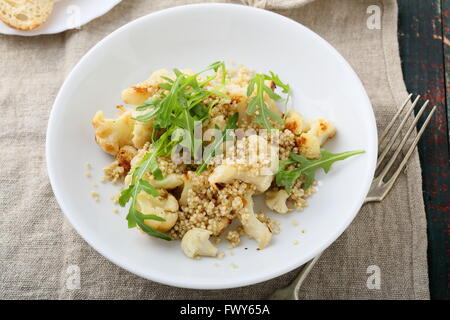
424,33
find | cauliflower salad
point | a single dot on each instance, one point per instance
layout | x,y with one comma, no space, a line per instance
192,149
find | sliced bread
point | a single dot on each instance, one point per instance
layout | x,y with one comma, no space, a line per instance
25,14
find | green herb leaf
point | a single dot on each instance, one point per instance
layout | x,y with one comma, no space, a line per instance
182,103
157,173
148,163
136,218
151,102
264,114
131,220
147,187
199,112
165,86
125,196
152,217
307,167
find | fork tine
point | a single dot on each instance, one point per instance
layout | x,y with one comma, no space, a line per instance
389,126
397,132
411,148
402,143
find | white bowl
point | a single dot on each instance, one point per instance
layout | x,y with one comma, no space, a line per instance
194,36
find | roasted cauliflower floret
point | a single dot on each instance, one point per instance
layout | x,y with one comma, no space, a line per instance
227,173
276,200
196,242
256,165
136,95
142,131
323,130
164,206
310,142
170,181
309,145
252,226
112,134
139,157
187,185
296,122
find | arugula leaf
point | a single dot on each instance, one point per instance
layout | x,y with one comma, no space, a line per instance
181,105
263,114
179,92
199,111
165,86
125,195
157,173
307,167
147,187
136,218
138,184
151,102
211,150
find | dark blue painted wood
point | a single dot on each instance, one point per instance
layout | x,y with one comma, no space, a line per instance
422,49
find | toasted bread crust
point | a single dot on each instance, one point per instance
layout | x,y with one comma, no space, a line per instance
25,15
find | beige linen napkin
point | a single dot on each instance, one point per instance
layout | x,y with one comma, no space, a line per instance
39,250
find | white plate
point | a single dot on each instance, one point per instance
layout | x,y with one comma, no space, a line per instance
67,14
193,37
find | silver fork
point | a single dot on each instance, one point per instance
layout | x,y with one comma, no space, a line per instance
379,188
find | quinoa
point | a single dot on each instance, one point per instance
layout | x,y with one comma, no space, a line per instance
287,144
209,208
114,172
234,238
298,195
95,195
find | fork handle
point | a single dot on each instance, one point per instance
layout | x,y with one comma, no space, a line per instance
291,291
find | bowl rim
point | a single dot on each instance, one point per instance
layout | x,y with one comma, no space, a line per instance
185,283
